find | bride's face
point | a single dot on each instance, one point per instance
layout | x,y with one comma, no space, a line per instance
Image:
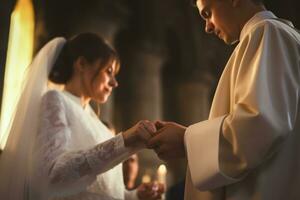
99,81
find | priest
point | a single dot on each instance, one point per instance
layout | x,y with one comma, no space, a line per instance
249,147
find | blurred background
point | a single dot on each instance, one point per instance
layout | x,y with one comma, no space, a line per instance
169,65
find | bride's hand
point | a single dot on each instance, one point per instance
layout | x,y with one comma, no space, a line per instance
139,134
150,191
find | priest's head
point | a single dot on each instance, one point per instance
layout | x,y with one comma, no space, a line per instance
226,18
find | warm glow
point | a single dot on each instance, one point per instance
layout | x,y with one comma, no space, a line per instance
146,178
161,174
19,55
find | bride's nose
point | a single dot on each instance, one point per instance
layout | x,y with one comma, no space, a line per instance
113,82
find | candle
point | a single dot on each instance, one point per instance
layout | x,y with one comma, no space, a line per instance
161,177
161,174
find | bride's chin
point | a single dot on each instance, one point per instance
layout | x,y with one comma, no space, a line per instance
102,99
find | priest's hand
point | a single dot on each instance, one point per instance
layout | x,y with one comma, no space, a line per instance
139,134
150,191
168,141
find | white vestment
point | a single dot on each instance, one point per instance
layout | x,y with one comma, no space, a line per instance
249,148
76,156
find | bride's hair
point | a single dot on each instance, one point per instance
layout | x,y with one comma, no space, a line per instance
88,45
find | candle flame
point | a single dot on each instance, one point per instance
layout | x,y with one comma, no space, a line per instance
162,169
146,179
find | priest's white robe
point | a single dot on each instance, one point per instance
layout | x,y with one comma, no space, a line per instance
249,148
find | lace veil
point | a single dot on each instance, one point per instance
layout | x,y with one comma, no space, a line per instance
16,159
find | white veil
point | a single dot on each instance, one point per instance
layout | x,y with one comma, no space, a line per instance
16,158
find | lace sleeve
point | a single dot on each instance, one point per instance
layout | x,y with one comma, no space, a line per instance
66,168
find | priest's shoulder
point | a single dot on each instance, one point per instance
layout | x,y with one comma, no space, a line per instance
273,26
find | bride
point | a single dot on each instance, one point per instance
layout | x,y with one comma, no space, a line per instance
58,148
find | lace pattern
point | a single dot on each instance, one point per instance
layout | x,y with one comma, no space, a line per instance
69,172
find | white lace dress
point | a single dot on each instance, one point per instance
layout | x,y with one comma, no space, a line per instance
77,156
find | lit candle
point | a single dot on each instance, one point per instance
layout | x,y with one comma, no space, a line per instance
161,177
161,174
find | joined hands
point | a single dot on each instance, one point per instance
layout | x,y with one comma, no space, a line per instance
165,138
168,141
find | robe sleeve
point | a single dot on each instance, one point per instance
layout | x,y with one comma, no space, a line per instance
223,150
70,172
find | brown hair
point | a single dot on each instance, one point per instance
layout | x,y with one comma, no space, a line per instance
88,45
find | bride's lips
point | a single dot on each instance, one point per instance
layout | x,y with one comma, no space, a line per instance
107,90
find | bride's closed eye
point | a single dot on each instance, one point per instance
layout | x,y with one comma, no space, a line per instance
109,70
